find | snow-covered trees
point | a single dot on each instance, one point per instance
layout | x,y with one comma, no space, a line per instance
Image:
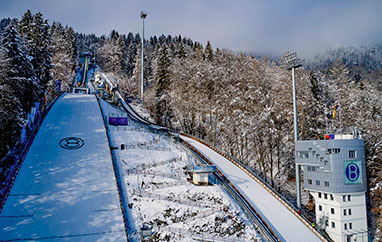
10,109
241,104
26,54
63,59
112,55
34,29
163,112
208,52
244,106
21,76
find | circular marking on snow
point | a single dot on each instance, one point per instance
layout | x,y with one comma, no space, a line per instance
71,143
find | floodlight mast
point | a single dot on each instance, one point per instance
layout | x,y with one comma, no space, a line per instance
143,16
291,61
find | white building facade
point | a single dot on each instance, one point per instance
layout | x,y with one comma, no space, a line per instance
335,175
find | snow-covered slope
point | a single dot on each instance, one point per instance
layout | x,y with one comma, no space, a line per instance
68,194
282,221
160,195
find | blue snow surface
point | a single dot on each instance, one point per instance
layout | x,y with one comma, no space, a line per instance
67,192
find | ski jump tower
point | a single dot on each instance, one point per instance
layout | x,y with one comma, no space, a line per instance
335,175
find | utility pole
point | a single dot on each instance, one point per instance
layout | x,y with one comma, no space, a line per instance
143,16
292,62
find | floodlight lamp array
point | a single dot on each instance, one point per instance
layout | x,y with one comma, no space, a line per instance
290,60
143,14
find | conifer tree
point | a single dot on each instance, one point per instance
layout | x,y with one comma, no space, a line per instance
112,55
62,56
131,54
35,31
40,50
21,76
25,25
208,52
71,39
198,52
10,108
315,88
181,51
162,76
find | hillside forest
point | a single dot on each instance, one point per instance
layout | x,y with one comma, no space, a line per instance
238,102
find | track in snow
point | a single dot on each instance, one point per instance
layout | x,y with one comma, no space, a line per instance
66,188
286,225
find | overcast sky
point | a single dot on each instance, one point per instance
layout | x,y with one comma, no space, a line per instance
260,26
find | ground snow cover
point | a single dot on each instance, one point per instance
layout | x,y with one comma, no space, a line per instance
161,197
139,108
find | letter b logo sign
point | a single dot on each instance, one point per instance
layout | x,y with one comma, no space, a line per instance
352,172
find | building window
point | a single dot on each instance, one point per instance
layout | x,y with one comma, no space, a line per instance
326,163
319,208
333,225
344,198
332,210
303,154
325,196
326,223
352,154
350,226
317,183
345,226
331,197
310,181
319,194
349,211
344,212
327,184
349,198
333,151
312,168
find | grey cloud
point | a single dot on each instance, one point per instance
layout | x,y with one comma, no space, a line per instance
247,25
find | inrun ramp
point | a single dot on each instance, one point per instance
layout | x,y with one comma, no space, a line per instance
66,188
283,222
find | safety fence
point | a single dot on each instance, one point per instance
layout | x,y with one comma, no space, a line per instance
166,185
177,176
203,214
146,147
188,202
199,236
129,128
144,166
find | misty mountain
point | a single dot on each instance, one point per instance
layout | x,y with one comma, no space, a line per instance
359,59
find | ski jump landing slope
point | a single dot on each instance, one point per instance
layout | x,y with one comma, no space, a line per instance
66,188
283,222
